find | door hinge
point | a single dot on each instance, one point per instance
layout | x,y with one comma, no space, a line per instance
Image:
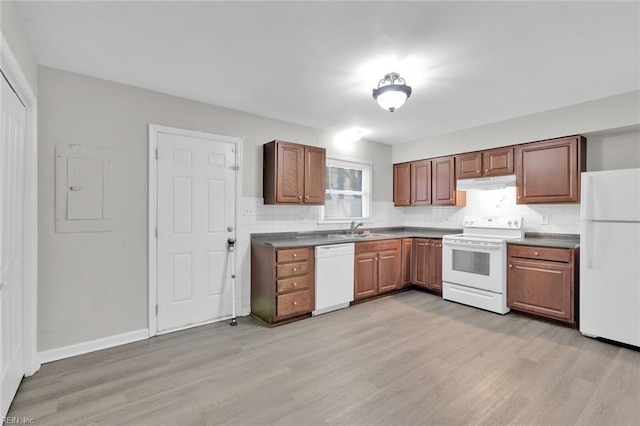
156,153
236,168
156,232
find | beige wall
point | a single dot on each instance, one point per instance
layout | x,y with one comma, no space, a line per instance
618,149
94,285
11,27
596,116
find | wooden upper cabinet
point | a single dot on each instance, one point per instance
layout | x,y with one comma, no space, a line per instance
314,175
443,181
497,162
293,173
402,184
469,165
549,171
421,182
431,182
493,162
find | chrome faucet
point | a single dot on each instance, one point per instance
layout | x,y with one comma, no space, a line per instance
355,226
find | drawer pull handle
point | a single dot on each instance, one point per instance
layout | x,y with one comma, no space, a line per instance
295,269
536,253
510,266
295,254
295,284
295,303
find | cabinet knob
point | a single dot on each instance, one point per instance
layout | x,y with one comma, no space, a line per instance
536,253
510,266
478,171
299,197
295,269
307,197
486,170
295,254
295,303
295,284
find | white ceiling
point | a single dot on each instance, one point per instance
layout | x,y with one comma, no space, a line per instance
315,63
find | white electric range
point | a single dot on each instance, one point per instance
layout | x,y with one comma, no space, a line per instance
474,262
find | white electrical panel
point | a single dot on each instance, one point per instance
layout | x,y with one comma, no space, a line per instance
83,188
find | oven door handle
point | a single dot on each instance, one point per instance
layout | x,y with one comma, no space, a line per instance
471,246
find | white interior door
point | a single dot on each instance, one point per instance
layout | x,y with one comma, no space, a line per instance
11,243
196,217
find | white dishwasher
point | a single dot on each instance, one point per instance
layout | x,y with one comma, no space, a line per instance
334,277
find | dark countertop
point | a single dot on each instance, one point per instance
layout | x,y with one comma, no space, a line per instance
319,238
570,241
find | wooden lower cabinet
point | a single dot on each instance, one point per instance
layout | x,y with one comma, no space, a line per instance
427,264
378,268
407,262
282,283
542,281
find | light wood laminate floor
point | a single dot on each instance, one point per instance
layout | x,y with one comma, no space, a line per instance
410,358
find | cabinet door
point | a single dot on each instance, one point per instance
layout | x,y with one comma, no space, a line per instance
541,287
389,270
497,162
401,184
314,175
469,165
365,275
290,173
549,171
435,266
407,261
421,183
421,248
443,181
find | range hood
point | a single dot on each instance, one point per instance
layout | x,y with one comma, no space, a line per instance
497,182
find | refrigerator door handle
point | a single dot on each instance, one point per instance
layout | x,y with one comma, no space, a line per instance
587,239
587,201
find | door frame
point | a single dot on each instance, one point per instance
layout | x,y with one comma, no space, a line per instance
14,74
152,253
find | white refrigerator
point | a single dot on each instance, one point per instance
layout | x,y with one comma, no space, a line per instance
610,255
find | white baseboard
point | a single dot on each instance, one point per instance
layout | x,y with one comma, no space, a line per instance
93,345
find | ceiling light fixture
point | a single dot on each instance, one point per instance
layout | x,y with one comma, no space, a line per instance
392,92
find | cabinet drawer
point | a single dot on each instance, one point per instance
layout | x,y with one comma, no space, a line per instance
289,284
293,303
542,253
373,246
290,255
291,269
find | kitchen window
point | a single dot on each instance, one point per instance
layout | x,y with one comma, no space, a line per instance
347,191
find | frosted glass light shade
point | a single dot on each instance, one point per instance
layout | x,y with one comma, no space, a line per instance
392,92
391,100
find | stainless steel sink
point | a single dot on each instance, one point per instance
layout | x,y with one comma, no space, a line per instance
372,235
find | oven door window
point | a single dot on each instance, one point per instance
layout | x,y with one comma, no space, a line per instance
472,262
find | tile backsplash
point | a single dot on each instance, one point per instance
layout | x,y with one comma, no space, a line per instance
560,218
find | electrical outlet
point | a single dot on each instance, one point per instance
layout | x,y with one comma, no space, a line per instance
249,211
301,218
544,220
